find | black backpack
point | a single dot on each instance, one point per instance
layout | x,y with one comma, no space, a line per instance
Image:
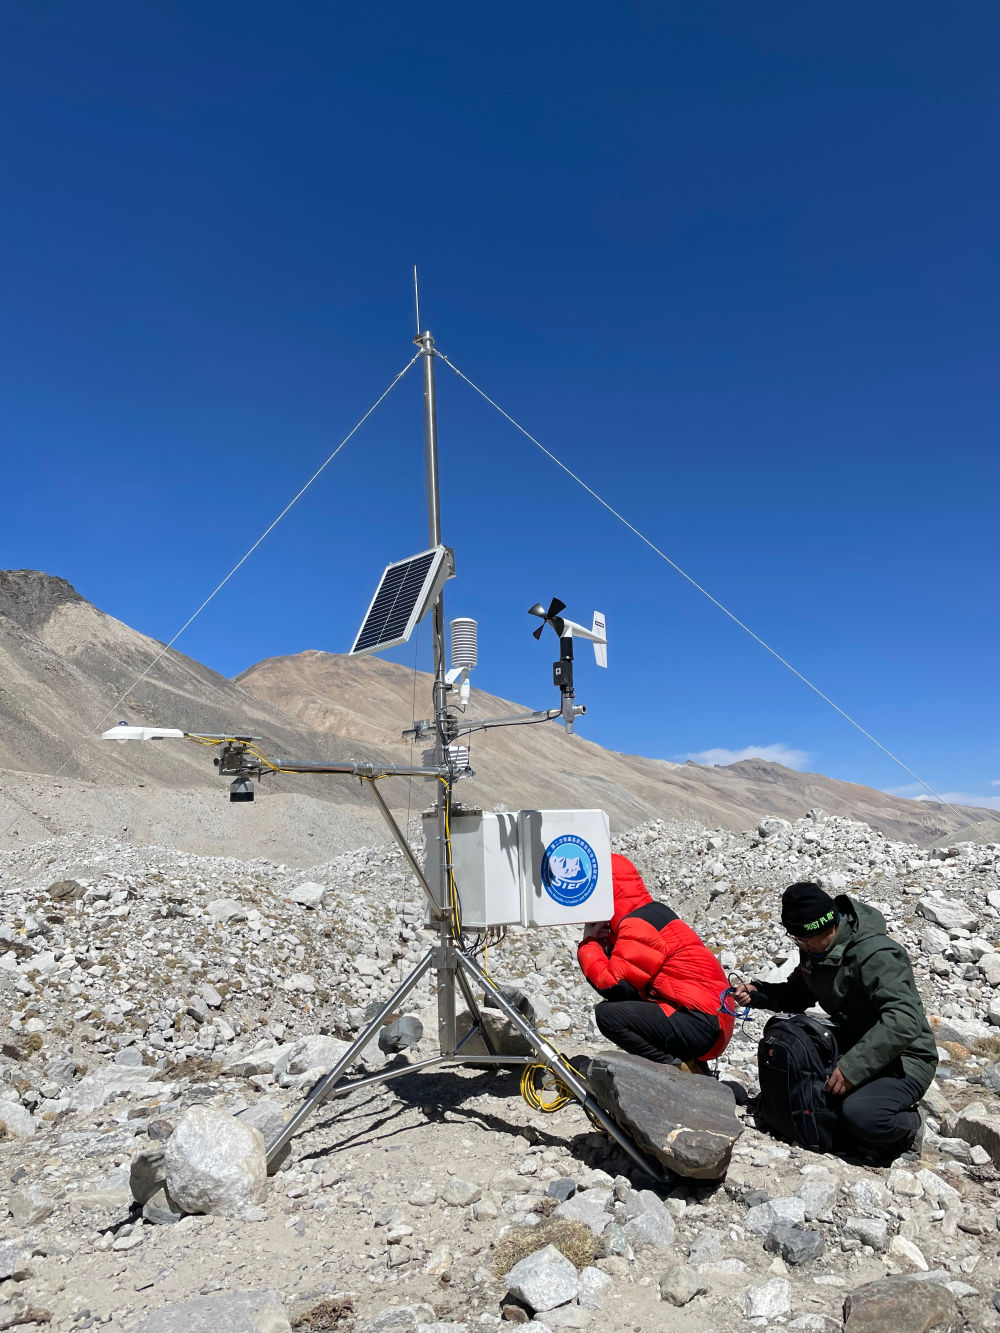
795,1057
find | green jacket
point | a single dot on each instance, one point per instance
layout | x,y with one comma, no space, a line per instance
865,983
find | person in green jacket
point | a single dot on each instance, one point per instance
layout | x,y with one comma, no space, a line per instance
864,980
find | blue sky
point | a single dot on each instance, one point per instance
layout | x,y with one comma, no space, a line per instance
735,265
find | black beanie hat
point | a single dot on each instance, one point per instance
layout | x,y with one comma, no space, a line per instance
806,909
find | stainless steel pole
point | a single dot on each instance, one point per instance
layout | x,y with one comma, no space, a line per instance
447,965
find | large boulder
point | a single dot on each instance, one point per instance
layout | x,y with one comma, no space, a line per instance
214,1163
685,1121
901,1305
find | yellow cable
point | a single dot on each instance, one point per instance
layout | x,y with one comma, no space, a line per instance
533,1084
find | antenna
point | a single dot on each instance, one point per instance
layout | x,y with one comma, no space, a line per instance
416,297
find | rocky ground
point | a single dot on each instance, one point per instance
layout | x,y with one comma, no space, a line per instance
142,989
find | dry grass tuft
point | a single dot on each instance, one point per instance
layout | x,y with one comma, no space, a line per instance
988,1048
572,1239
337,1313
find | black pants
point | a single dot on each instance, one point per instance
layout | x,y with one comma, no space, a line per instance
642,1028
880,1115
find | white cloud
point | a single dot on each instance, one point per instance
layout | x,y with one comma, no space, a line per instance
995,782
775,754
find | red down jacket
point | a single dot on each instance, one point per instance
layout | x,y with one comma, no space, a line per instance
668,965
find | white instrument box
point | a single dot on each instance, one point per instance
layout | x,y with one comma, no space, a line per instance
532,867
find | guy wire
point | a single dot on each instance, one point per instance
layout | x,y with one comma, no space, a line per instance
704,591
218,588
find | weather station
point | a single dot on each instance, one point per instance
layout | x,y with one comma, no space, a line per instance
481,871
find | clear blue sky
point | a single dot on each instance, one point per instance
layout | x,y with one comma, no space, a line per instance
736,264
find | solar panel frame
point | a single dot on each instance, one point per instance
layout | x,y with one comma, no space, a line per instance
402,598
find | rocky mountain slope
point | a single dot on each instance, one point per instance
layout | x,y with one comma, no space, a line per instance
369,701
149,996
64,665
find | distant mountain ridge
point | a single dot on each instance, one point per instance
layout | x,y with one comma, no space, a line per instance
370,700
64,664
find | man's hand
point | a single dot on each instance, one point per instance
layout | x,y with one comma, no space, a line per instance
837,1085
599,931
742,992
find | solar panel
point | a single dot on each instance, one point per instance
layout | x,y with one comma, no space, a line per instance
404,594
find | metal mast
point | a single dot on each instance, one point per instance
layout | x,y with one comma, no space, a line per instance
445,963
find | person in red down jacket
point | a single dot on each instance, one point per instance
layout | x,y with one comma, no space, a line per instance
663,990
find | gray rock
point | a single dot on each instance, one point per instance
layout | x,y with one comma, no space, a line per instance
934,939
815,1323
268,1116
818,1198
686,1122
976,1125
769,1299
935,1188
680,1284
245,1064
948,913
15,1262
873,1231
160,1210
92,1092
796,1245
62,1071
215,1163
650,1222
402,1034
147,1174
309,1055
593,1285
461,1193
901,1305
964,1031
589,1207
563,1188
612,1242
240,1312
543,1280
506,1038
708,1244
29,1205
788,1210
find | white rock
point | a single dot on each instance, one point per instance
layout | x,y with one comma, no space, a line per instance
215,1163
949,913
20,1123
789,1209
902,1249
309,894
543,1280
769,1299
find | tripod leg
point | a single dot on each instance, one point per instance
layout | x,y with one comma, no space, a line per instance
551,1058
328,1083
475,1011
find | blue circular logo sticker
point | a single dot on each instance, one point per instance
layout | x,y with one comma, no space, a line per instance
569,870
